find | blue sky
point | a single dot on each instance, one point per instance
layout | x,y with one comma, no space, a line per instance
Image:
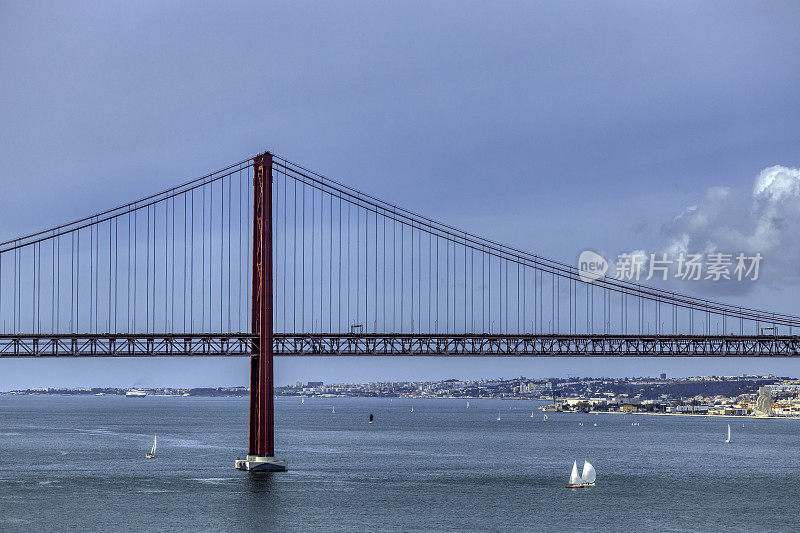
554,127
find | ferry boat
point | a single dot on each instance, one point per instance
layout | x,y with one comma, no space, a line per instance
135,393
586,479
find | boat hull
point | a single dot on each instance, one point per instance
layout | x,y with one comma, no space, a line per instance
580,486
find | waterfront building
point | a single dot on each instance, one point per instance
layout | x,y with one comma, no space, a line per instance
764,402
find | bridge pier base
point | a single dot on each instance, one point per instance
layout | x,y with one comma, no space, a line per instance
261,463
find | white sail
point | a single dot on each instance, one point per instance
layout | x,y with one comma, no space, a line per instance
467,404
729,434
532,414
155,442
574,478
589,474
333,409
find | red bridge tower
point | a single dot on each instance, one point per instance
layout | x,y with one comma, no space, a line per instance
261,450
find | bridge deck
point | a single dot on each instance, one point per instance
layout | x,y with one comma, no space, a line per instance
397,344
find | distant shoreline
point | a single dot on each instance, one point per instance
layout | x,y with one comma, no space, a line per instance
738,417
218,394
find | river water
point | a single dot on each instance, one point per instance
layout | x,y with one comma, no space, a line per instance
78,463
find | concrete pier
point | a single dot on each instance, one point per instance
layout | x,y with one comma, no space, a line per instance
261,463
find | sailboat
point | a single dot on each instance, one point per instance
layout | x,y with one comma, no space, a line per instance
729,434
302,400
532,412
370,418
589,475
544,418
498,414
412,408
467,404
152,453
574,479
586,479
333,410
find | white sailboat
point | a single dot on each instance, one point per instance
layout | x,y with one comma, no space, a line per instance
532,412
574,479
333,410
544,418
589,475
498,414
467,404
586,479
302,400
729,434
412,408
152,453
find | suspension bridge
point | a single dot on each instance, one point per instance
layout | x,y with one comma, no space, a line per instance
267,258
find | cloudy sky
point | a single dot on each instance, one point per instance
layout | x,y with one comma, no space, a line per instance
555,127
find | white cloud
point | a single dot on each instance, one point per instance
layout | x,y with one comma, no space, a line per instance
766,220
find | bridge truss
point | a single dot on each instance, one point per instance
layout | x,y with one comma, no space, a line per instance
287,344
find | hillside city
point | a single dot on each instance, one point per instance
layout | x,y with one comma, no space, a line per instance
744,395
